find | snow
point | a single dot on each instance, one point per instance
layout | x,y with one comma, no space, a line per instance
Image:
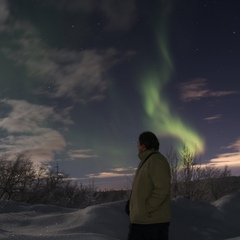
191,220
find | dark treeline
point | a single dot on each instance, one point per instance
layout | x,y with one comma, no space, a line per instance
196,181
22,181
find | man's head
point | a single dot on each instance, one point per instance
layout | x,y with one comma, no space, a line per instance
147,140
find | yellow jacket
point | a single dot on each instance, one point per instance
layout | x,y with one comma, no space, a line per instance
150,197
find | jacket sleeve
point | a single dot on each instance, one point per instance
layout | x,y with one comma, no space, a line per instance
159,174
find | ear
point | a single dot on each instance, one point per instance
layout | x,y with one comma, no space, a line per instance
142,147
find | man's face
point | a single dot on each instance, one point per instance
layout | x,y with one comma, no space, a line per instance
141,147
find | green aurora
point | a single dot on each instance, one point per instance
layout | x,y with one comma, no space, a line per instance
160,118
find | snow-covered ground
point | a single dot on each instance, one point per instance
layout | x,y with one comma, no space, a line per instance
191,221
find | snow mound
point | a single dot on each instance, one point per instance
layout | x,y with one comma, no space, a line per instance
191,220
21,221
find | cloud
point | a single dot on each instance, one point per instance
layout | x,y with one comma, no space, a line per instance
118,178
230,159
27,130
226,159
27,117
40,147
82,153
77,75
197,89
235,145
115,172
112,11
85,74
4,13
213,118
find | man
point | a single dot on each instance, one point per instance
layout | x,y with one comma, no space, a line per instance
149,204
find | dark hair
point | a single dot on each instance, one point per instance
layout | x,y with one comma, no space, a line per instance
149,140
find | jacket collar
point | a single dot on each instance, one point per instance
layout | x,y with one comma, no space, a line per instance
142,156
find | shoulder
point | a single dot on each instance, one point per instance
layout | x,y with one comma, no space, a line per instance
158,159
158,156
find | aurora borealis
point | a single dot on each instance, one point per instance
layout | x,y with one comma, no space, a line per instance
80,80
163,121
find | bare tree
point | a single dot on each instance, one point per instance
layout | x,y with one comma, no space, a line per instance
91,195
11,177
192,180
4,174
186,172
174,162
218,181
38,189
25,177
17,176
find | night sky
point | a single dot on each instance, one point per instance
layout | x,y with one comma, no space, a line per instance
81,79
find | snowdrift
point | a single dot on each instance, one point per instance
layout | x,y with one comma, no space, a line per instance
191,221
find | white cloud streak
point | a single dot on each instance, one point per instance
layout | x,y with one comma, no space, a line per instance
82,153
213,118
197,89
115,172
109,175
230,159
235,145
